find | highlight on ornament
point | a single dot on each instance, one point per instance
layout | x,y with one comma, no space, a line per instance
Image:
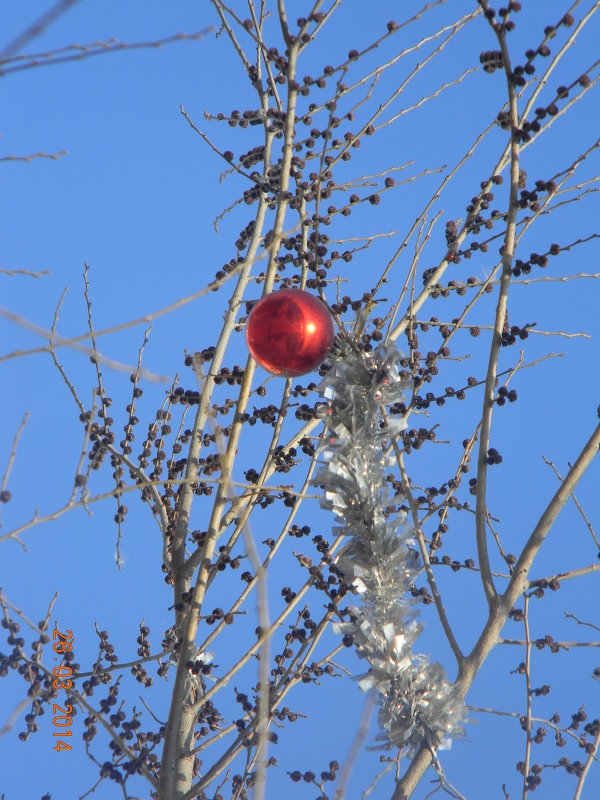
289,332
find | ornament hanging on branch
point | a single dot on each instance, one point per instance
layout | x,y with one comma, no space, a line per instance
380,561
289,332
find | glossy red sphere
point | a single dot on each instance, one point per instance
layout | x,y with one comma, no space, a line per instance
289,332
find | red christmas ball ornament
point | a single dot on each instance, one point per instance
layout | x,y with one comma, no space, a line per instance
289,332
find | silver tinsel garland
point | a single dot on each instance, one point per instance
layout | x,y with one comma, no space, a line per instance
416,701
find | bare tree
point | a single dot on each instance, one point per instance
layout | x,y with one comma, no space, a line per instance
223,716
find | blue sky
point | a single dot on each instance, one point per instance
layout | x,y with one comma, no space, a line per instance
136,198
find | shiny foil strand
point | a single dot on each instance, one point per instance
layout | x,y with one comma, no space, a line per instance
380,559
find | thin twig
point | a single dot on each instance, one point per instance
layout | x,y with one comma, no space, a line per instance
576,501
359,737
488,395
425,557
32,157
82,52
36,28
13,451
583,774
568,615
528,695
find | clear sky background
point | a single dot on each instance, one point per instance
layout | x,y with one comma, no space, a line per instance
136,198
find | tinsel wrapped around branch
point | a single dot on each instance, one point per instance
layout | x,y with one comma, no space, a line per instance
416,700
